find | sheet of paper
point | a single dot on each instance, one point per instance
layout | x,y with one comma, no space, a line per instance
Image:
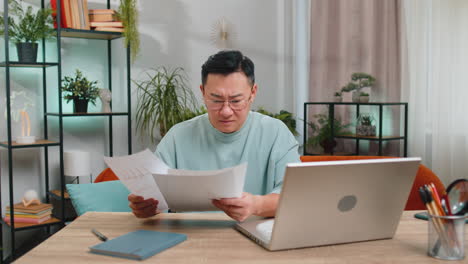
187,190
135,171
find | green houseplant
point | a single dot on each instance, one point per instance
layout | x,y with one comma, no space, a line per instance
358,81
164,99
128,14
80,90
26,28
285,116
321,132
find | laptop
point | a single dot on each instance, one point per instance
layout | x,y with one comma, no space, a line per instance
334,202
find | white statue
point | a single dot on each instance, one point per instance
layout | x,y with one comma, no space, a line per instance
106,96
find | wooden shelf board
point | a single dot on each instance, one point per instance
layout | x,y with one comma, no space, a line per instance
88,114
28,64
89,34
354,136
37,143
58,194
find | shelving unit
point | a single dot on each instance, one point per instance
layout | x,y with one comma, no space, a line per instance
45,142
379,135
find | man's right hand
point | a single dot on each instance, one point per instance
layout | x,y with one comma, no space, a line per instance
143,208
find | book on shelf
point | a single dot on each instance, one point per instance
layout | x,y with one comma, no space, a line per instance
86,14
102,15
117,24
29,215
75,14
27,220
65,18
109,29
32,209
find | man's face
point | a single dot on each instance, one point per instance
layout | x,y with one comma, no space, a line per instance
234,88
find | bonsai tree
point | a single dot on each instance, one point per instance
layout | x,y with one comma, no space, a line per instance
164,100
26,27
359,80
321,132
285,116
80,90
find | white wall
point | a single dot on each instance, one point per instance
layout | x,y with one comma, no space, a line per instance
173,33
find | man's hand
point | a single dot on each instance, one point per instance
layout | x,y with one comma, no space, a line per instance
143,208
239,208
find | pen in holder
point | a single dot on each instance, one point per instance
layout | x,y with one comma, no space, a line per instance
446,237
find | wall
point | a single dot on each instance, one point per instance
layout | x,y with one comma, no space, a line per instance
173,33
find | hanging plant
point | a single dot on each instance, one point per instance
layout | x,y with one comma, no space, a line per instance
128,14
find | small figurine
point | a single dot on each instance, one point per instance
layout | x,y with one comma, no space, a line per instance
30,197
106,96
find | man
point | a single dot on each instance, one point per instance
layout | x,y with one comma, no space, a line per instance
228,135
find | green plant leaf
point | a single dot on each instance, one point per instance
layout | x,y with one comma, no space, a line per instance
164,99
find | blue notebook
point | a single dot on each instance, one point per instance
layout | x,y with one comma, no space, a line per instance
139,244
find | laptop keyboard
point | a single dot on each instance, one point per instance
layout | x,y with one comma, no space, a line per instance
265,229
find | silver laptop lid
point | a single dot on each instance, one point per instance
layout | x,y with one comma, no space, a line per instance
341,201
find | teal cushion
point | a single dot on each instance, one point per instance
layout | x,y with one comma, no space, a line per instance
109,196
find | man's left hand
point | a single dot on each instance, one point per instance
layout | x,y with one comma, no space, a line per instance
239,208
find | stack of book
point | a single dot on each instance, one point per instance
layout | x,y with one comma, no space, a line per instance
104,20
33,214
74,13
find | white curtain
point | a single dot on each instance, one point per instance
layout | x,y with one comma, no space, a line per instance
435,83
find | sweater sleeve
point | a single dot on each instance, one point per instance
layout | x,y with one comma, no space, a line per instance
284,151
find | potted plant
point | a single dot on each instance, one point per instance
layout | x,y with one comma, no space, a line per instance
322,133
164,99
128,14
80,90
337,97
26,28
363,97
359,80
286,117
364,126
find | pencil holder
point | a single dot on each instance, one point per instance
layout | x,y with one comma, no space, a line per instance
446,237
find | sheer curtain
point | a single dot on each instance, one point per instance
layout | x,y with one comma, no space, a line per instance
435,83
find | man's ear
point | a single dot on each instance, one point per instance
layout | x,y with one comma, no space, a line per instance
202,90
254,92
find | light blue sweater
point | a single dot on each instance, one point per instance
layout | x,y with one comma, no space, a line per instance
263,142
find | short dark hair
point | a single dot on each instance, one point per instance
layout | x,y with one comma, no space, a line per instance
226,62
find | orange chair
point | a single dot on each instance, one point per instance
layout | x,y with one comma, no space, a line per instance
423,176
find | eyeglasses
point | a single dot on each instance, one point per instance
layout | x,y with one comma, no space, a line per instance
235,105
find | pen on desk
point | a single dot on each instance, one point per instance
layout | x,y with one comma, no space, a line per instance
99,235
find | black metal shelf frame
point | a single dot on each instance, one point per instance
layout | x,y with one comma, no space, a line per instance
9,144
380,138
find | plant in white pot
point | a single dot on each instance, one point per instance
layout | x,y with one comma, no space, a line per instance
26,28
359,80
80,90
363,97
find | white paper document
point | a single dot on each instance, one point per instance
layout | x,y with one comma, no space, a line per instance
146,175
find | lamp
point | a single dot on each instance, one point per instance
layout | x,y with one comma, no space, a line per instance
77,163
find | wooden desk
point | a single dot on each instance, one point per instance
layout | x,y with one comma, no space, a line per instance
211,239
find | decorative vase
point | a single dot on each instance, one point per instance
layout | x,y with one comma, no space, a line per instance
364,99
365,125
27,51
356,96
337,99
80,106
